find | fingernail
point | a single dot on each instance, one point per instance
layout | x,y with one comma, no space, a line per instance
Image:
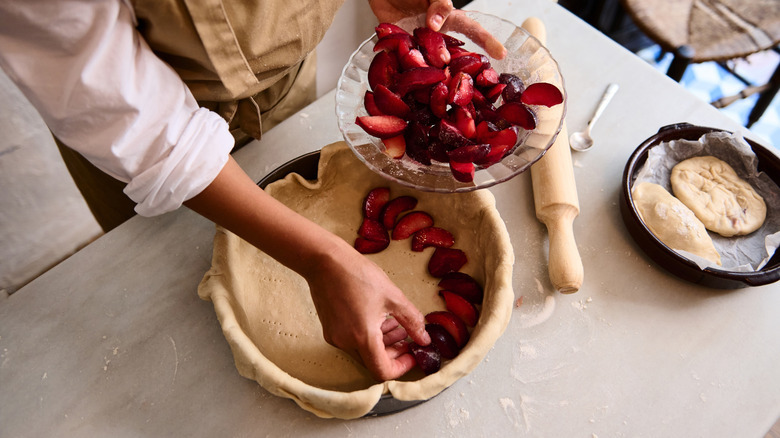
426,337
437,21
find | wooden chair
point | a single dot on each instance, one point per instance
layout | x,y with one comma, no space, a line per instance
712,30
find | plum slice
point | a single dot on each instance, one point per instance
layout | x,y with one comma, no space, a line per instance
438,150
416,136
493,93
390,103
413,58
506,136
463,172
451,42
427,357
450,135
399,43
454,325
518,114
385,29
432,46
432,236
470,64
496,154
469,153
438,100
372,229
464,285
382,126
443,341
461,307
461,89
370,103
395,146
513,87
488,77
395,207
410,224
464,121
542,93
446,260
420,77
375,201
365,246
382,70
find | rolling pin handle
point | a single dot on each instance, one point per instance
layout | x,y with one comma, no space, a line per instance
565,265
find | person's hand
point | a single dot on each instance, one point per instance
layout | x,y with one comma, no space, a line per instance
390,11
440,15
363,313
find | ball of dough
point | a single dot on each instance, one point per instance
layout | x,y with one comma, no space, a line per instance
725,203
672,222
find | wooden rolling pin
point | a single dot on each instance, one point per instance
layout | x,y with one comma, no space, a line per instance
555,198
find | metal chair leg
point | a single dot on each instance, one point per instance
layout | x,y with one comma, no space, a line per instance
765,98
682,58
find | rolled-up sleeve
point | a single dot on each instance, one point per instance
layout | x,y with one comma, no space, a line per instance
102,91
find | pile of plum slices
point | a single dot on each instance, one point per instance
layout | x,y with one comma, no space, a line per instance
386,219
432,100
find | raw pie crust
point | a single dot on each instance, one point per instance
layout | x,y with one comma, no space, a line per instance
268,317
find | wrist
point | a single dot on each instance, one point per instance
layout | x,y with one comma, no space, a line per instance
324,256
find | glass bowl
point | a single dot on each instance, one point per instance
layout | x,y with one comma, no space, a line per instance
526,58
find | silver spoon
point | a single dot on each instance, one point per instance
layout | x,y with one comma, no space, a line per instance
582,141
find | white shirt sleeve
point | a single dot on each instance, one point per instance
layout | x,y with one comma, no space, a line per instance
102,91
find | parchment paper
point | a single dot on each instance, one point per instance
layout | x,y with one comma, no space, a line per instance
740,253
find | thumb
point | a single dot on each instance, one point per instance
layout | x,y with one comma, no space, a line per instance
438,11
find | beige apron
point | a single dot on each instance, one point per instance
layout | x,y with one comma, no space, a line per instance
251,61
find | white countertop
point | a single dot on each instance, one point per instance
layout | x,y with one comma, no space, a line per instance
115,342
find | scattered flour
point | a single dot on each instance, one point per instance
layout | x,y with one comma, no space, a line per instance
513,413
527,351
456,416
508,405
539,287
582,304
533,319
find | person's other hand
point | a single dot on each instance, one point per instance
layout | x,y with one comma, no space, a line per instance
363,313
440,15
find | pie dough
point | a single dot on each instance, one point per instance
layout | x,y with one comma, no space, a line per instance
269,320
672,222
725,203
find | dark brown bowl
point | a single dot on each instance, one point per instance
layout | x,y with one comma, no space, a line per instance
768,162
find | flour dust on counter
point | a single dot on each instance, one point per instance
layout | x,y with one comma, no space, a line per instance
540,362
515,414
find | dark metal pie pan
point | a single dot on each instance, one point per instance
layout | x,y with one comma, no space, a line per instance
768,162
307,166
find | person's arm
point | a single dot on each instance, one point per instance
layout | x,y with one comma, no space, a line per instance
352,295
102,90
